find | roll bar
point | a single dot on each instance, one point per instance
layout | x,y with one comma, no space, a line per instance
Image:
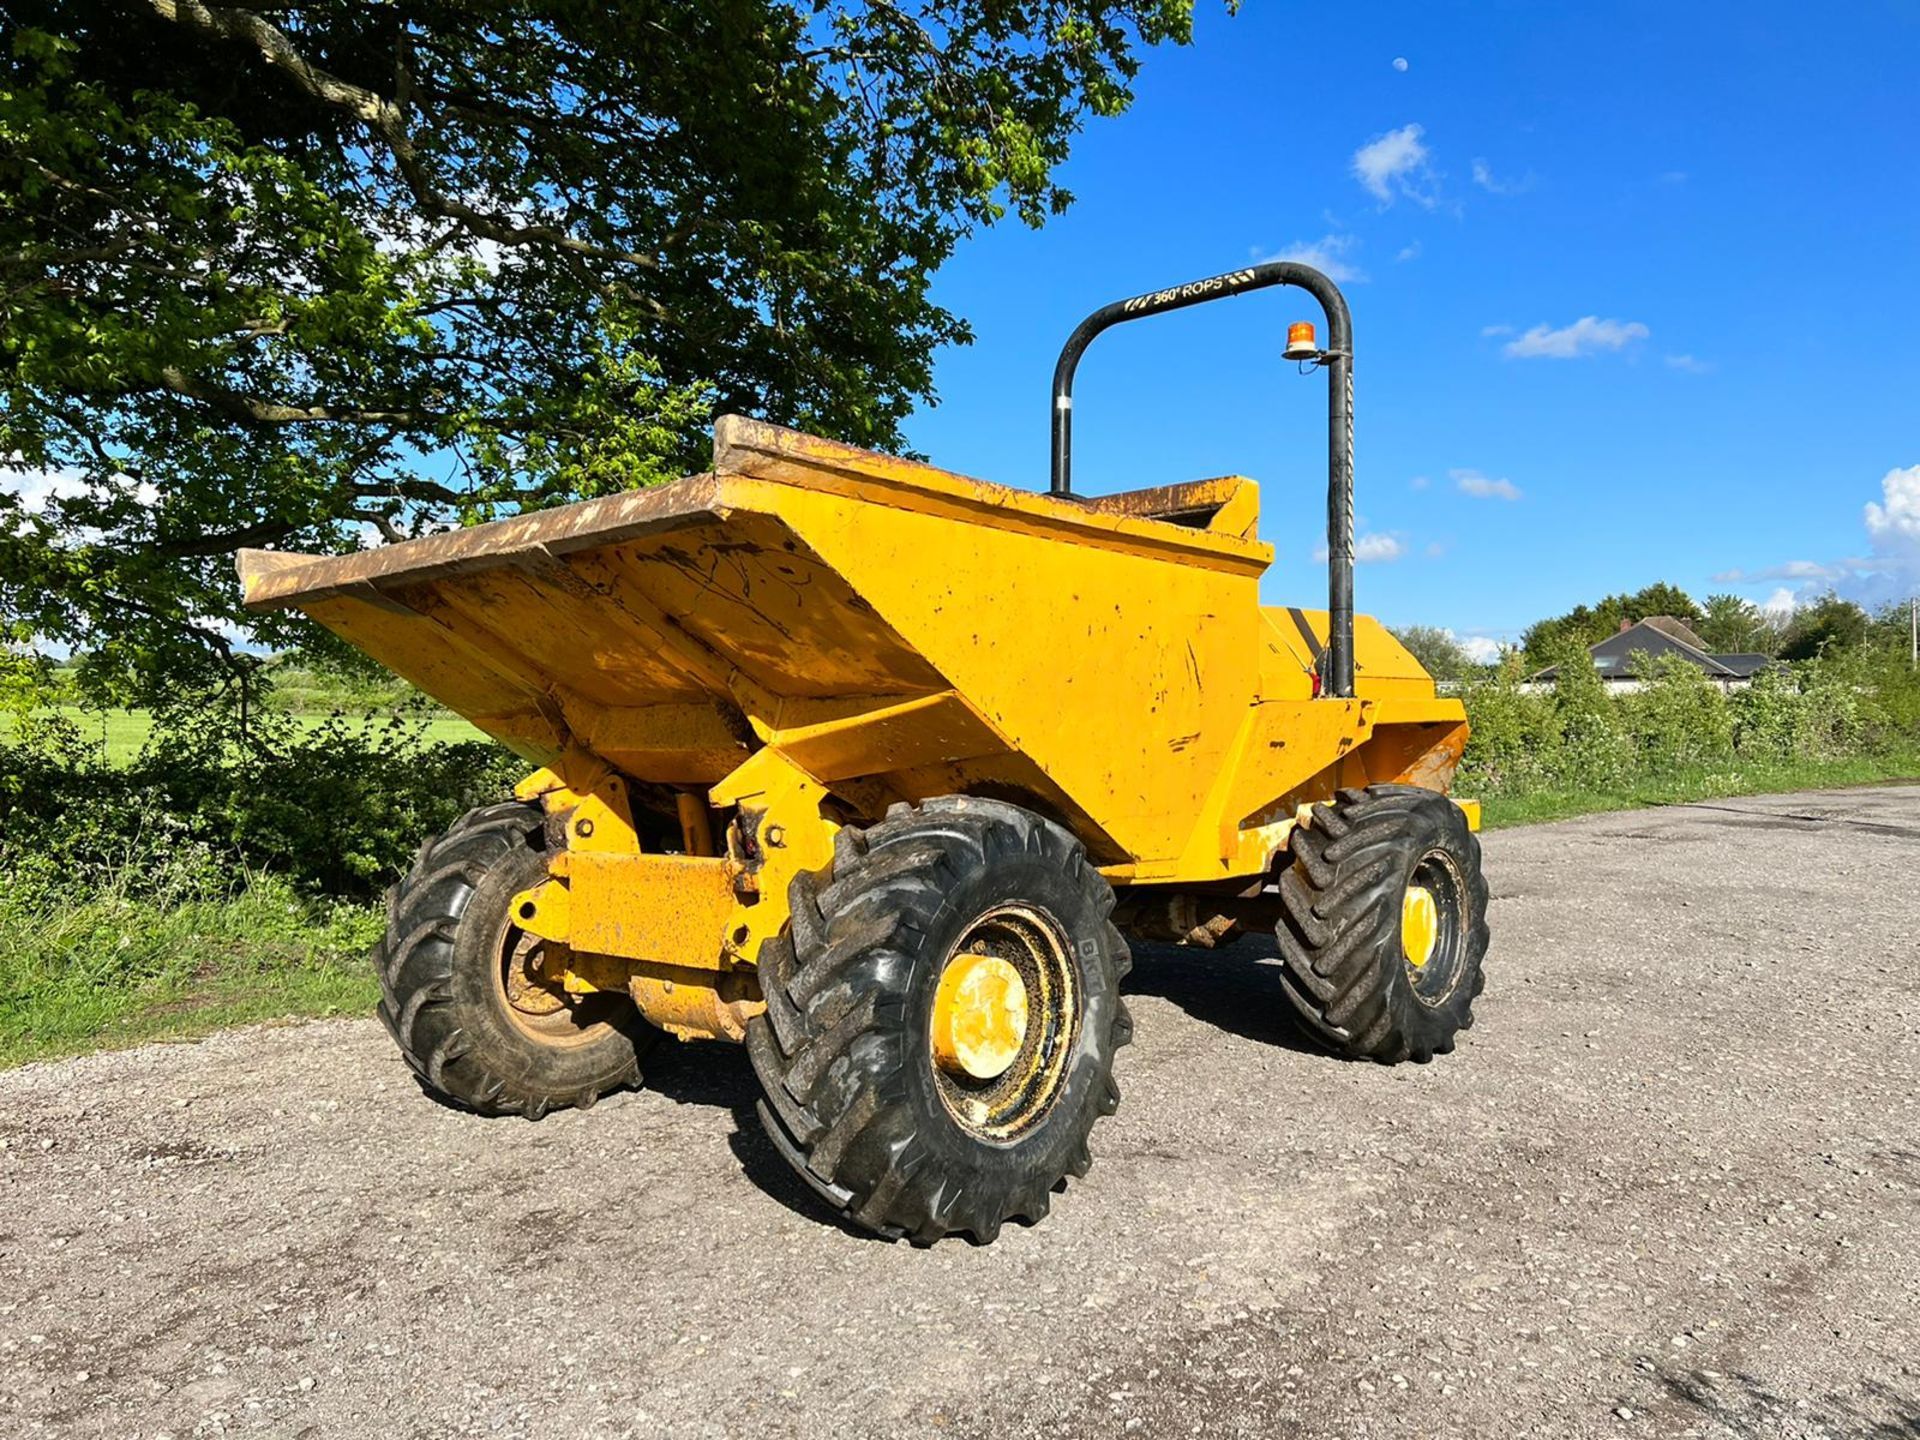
1336,675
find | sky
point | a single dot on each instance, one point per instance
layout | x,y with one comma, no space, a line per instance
1636,295
1636,291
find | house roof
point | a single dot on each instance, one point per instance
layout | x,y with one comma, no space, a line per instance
1657,636
1614,655
1672,628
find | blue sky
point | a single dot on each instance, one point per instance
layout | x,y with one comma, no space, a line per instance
1651,269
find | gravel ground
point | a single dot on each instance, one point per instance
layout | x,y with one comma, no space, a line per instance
1667,1186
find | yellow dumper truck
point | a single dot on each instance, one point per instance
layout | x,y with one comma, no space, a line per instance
876,769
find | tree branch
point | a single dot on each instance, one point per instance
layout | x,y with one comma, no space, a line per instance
278,51
410,489
265,533
236,406
385,119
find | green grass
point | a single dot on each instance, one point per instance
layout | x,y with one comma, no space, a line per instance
122,732
1703,782
120,968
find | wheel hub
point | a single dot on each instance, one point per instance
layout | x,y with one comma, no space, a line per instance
1419,925
979,1016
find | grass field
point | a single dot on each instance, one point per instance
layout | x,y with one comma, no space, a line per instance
121,733
1680,786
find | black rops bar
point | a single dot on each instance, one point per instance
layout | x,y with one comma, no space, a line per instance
1337,665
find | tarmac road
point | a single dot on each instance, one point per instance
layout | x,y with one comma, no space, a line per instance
1668,1185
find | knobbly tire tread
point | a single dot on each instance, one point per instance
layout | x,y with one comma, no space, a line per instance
435,1006
836,1047
1339,931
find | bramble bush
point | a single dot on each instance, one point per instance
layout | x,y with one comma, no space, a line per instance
1592,749
1575,735
337,809
1677,717
164,935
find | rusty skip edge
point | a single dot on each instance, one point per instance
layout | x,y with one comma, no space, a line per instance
274,579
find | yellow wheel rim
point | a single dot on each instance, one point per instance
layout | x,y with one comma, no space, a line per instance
979,1016
1419,925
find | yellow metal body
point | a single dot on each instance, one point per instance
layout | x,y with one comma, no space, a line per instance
739,663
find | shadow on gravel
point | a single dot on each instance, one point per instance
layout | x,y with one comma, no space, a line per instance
721,1076
1236,989
1746,1406
1794,820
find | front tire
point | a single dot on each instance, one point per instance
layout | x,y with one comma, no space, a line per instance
1383,923
463,992
872,1107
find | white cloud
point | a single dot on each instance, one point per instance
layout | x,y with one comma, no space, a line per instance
1400,63
1367,550
1396,164
1893,523
1484,177
1482,487
1689,365
1408,252
402,234
1791,570
1481,649
1781,602
1489,331
1328,255
1889,573
1588,335
37,490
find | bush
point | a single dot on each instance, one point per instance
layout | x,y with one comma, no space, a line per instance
1594,750
299,687
1890,709
1678,716
1572,736
1514,741
1817,710
336,810
1577,736
165,937
1768,716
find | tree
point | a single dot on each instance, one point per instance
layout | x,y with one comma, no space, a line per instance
1731,625
1584,626
1829,625
1438,652
327,274
1891,628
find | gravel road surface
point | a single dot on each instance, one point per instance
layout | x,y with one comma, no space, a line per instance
1666,1186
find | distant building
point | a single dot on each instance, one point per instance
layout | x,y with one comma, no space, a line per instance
1657,636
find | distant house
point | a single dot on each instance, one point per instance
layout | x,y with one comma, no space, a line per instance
1657,636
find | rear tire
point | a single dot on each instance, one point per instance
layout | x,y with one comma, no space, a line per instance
1348,969
856,1100
461,989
